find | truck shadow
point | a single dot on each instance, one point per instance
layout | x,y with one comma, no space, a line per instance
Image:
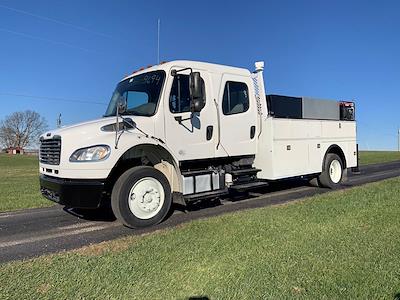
99,214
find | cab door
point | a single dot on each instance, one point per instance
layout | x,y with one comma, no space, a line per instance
238,116
190,136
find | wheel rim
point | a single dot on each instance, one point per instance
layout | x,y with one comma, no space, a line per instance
146,198
335,171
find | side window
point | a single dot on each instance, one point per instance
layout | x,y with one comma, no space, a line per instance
236,98
179,98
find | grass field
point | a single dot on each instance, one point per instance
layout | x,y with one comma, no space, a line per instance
343,244
19,183
373,157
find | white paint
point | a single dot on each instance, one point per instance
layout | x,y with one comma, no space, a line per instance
308,139
5,216
54,235
77,225
22,213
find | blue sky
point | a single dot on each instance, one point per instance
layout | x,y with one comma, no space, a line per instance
81,49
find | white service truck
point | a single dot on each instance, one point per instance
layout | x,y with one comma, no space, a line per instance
184,131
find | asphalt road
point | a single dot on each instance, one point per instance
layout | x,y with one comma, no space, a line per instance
30,233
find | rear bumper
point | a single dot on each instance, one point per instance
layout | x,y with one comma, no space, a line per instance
72,192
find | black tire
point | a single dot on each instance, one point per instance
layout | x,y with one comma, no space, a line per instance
121,193
325,178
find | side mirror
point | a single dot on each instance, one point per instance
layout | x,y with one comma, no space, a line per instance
196,86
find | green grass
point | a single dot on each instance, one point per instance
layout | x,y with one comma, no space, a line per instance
374,157
19,183
343,244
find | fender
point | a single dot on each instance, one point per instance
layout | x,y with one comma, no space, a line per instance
155,153
336,150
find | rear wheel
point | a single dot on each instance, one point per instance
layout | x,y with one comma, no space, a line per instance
141,197
332,175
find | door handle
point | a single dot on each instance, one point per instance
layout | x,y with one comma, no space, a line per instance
218,123
252,132
210,130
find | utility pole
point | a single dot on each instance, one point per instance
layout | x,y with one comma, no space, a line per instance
59,121
398,139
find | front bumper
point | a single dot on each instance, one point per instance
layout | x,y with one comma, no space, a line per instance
77,193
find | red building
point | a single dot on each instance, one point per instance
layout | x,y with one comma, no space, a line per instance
15,150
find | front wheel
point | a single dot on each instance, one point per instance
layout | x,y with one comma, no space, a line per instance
141,197
332,175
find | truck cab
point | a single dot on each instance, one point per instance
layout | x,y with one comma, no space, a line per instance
184,131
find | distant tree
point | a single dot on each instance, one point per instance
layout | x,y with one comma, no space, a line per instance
22,129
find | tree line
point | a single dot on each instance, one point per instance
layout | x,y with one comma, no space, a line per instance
22,129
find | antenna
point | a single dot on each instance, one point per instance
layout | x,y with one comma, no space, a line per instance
158,41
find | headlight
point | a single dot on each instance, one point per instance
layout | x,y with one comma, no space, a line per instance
94,153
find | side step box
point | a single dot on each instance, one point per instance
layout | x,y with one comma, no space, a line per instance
249,171
248,186
204,195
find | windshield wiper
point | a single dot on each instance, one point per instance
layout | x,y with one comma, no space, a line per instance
132,125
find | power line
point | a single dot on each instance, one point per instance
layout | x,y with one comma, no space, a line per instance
54,98
54,21
45,40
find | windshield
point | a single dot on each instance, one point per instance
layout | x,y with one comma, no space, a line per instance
140,94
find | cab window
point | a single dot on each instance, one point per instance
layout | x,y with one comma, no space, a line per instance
179,99
236,98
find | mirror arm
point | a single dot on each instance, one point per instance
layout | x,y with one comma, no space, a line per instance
179,119
175,72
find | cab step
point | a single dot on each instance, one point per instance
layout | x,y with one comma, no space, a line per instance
241,172
242,187
204,195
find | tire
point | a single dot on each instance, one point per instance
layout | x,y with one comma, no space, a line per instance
141,197
332,175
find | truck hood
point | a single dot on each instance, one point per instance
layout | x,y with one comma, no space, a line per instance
93,127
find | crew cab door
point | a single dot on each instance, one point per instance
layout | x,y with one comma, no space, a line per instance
238,116
189,135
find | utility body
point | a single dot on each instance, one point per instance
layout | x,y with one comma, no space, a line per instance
185,131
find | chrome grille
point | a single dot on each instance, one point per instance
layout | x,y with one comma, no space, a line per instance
50,151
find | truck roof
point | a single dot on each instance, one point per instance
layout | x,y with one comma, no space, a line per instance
210,67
